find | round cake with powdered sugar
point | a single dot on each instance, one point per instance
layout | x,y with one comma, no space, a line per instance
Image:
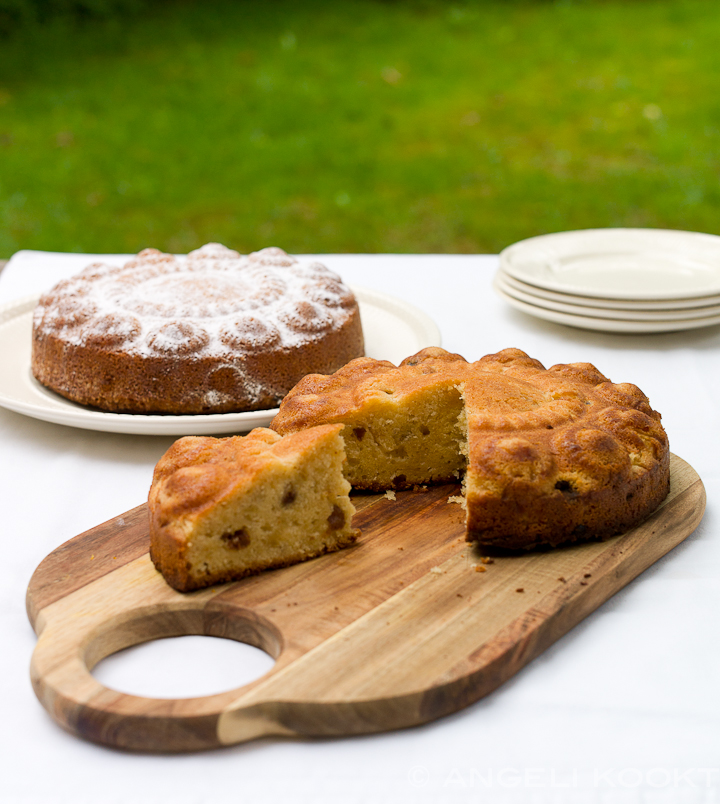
213,332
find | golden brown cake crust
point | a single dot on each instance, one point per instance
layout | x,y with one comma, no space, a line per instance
555,455
320,398
213,333
558,455
198,474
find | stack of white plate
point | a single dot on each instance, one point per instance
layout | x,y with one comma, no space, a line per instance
615,280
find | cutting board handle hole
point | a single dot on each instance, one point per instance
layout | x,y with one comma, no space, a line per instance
180,651
188,666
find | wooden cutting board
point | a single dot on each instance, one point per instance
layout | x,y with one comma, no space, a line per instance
405,627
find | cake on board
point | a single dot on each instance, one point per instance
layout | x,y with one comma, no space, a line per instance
224,508
547,456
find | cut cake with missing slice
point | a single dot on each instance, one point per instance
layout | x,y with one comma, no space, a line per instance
221,509
547,456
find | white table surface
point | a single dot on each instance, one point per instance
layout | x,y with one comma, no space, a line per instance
624,708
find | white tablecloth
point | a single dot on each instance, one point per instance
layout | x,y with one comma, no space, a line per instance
625,708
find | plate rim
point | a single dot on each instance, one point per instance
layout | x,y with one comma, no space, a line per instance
602,302
538,240
606,313
609,325
177,425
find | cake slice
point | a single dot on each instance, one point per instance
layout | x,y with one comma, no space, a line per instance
221,509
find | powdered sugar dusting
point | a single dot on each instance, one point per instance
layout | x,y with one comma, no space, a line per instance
213,302
213,251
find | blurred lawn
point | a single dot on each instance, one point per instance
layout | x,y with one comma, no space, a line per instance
360,126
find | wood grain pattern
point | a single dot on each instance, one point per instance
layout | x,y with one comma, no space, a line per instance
398,630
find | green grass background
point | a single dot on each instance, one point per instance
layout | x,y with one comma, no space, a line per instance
359,126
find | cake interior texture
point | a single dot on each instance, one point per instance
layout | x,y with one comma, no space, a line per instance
222,509
407,439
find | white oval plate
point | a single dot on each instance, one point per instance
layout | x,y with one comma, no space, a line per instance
606,324
598,302
393,330
630,264
601,312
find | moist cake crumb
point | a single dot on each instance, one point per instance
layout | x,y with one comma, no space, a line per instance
224,508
